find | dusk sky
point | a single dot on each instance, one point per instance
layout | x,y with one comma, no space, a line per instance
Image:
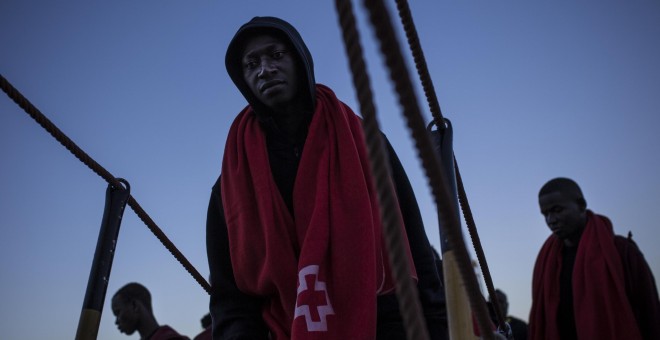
535,90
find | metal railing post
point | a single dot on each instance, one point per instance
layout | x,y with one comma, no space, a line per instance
99,276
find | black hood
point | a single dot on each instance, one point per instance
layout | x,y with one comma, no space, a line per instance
281,29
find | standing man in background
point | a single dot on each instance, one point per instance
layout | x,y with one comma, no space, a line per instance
588,282
518,327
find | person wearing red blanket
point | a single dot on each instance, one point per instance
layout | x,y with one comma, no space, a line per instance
589,283
131,305
294,237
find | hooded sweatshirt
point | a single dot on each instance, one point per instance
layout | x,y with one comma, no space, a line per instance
237,315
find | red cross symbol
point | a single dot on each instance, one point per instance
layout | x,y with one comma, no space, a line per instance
313,292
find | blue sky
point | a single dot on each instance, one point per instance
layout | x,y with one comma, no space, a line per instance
535,90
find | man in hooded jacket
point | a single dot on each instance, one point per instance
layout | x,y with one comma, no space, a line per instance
294,237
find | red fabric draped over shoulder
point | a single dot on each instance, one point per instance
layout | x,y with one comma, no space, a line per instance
601,306
321,269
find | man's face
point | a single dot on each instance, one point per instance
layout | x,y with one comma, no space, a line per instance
126,314
565,215
269,69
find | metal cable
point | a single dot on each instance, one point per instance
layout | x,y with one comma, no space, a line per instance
54,131
420,62
474,235
434,106
389,47
406,290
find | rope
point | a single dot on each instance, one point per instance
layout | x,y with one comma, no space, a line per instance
54,131
406,291
389,47
434,106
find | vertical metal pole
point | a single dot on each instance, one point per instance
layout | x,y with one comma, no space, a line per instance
97,284
459,316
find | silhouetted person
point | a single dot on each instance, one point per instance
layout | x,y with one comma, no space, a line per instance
518,327
206,326
588,282
294,236
131,305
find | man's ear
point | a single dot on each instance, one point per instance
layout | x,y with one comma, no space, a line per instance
582,203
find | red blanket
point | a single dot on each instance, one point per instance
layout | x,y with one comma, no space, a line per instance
321,269
602,309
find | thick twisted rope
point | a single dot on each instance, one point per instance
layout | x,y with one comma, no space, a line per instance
434,106
406,291
389,47
54,131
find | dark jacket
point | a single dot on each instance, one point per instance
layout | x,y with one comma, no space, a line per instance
237,315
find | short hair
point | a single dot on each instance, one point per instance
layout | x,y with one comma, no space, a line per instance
135,291
499,294
564,185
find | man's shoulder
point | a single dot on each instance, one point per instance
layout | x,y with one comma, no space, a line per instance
628,249
166,332
515,320
204,335
625,242
217,185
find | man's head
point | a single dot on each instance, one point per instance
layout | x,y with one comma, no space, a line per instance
564,208
502,301
271,65
206,321
129,305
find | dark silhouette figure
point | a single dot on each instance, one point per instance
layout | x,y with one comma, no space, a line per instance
131,305
518,327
